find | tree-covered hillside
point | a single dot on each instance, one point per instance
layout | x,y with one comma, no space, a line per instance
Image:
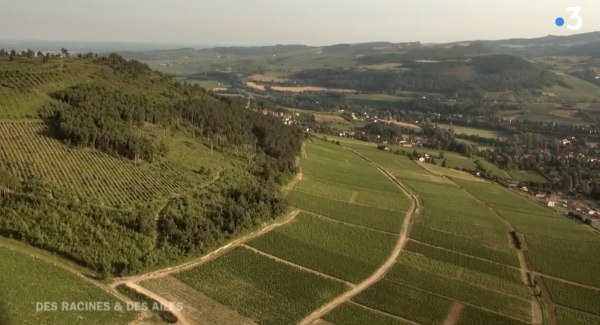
467,77
450,52
197,168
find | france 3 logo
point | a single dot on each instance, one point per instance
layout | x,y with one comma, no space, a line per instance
575,15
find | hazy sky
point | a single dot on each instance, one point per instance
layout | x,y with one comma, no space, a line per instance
312,22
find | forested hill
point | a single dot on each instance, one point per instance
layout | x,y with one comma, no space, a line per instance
439,52
131,170
467,77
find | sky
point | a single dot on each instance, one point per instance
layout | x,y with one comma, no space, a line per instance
269,22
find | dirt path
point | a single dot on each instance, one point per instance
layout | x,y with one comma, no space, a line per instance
454,314
280,260
379,273
354,196
180,319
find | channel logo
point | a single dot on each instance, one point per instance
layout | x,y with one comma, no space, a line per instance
560,21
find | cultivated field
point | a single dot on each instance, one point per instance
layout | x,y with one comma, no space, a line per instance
90,176
263,289
298,89
346,232
342,251
25,280
460,263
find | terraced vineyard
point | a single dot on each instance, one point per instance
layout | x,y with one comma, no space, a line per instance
91,176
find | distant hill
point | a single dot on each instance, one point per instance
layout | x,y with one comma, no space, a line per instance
447,52
258,50
494,73
589,49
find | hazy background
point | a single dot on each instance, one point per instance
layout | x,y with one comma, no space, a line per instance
267,22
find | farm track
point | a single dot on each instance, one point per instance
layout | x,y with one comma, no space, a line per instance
283,261
379,273
354,196
454,314
180,319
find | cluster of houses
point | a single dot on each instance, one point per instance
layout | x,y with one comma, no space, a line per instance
555,200
286,118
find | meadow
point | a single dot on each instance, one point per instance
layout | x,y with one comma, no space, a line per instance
25,280
527,176
345,252
492,134
267,291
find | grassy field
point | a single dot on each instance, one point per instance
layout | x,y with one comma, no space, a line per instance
472,131
26,151
339,250
24,281
260,288
527,176
582,91
377,97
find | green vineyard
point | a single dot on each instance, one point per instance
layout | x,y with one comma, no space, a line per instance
26,151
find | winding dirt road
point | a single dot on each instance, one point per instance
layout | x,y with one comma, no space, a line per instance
379,273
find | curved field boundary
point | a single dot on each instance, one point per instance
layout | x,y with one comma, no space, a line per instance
379,273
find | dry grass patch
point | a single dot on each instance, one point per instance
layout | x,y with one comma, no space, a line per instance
268,78
331,119
298,89
408,125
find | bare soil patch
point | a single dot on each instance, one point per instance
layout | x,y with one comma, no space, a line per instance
354,196
454,314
